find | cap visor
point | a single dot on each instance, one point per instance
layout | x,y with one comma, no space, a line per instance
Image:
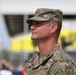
36,19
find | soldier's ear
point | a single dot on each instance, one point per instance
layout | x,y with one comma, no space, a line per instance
53,27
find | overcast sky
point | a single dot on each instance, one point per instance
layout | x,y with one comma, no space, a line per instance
68,1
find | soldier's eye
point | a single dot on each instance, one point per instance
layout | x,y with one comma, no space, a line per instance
38,24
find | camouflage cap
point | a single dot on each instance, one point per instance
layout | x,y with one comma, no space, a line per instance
46,14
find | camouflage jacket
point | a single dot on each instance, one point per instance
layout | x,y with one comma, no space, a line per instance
56,62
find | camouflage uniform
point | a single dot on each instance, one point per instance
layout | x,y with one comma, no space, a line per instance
56,62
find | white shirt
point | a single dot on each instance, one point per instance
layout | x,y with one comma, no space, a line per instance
5,72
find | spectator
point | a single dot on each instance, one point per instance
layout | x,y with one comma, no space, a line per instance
5,68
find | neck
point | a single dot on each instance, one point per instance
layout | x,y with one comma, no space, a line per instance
47,45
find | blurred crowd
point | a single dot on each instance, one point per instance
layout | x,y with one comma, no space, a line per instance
7,69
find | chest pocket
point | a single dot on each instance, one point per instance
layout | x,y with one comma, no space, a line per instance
41,70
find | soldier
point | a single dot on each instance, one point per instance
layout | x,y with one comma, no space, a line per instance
52,60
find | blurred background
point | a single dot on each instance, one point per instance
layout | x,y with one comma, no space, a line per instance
16,45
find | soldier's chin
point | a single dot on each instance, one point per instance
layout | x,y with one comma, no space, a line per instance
33,38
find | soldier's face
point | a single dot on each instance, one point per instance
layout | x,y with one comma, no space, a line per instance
40,30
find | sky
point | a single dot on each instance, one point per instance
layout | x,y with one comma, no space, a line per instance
4,38
57,1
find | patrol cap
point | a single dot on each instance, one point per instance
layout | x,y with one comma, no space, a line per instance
46,14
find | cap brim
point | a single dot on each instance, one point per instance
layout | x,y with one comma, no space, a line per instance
36,19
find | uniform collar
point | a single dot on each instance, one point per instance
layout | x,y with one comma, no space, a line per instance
43,57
